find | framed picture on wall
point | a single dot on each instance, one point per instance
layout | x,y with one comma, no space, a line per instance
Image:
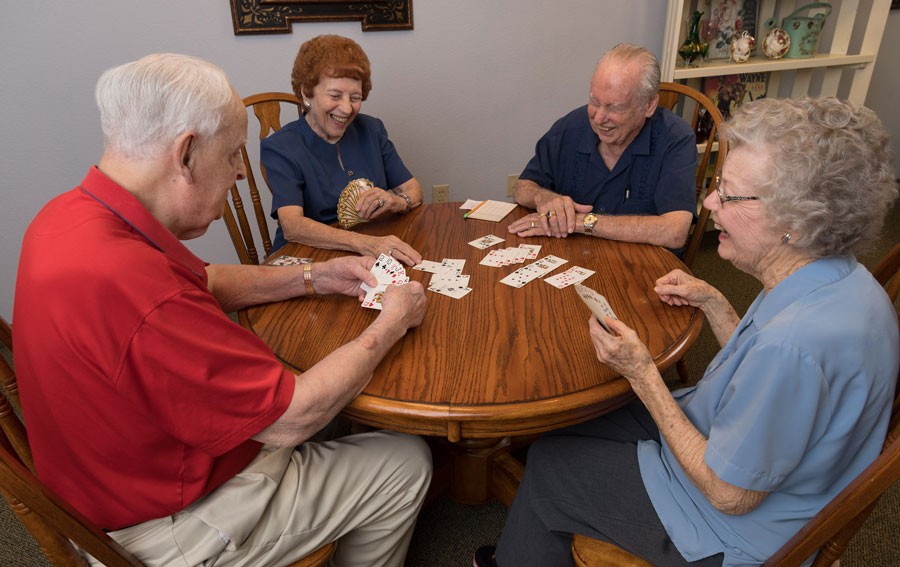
730,91
724,18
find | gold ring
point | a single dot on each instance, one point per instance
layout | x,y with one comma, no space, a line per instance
551,214
532,224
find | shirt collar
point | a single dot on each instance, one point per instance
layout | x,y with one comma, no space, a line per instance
801,283
132,212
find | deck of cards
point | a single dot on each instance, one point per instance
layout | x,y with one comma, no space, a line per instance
597,304
289,261
347,214
388,271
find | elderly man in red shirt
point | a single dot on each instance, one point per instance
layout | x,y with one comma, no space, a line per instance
148,409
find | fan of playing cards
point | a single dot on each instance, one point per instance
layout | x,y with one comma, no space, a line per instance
387,271
347,214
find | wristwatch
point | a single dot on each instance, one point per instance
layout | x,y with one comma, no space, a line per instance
589,220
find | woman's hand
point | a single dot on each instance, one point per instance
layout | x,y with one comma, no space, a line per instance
391,245
679,289
376,202
624,352
343,275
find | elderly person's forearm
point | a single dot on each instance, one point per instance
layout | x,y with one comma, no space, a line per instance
689,445
669,229
326,388
723,319
526,193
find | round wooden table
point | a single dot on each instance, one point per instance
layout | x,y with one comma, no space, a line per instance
499,362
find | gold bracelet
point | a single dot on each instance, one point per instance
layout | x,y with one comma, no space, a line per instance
307,279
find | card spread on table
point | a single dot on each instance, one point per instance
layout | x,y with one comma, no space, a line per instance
597,304
533,271
486,241
575,274
289,261
447,277
533,250
387,270
504,257
428,266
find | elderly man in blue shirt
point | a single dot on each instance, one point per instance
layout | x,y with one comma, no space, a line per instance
619,167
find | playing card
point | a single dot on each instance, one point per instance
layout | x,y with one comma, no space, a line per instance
428,266
573,275
453,263
597,304
373,297
456,292
486,241
533,250
289,261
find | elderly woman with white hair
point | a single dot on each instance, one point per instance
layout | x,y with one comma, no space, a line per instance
794,406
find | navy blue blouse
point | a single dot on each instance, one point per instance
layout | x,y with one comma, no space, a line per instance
303,169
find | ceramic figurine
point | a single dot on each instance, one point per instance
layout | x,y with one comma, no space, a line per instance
742,45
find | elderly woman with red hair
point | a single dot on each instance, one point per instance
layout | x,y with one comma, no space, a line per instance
310,161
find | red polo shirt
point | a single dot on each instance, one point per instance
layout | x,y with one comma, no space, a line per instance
140,395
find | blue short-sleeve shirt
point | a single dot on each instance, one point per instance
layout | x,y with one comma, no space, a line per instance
304,170
655,175
796,404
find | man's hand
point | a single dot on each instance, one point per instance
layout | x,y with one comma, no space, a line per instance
556,214
391,245
343,275
678,288
406,303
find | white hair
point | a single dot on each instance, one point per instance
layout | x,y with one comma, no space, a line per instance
146,104
650,73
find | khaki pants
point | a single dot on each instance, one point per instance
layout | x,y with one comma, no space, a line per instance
363,491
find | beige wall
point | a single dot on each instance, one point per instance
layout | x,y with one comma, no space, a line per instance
464,95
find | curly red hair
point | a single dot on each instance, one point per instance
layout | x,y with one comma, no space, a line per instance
331,56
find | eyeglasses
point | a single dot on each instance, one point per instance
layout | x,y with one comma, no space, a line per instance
723,198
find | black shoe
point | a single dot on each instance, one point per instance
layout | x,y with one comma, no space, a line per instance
484,557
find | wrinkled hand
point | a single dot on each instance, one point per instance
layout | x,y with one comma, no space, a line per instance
679,289
392,246
562,210
376,202
405,302
344,275
529,225
623,352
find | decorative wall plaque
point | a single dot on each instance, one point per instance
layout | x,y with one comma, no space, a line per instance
276,16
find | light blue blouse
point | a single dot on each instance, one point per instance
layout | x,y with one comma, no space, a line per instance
796,404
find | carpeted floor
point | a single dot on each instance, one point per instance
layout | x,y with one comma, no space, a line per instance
447,533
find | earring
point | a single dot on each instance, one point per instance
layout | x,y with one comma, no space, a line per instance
786,238
306,104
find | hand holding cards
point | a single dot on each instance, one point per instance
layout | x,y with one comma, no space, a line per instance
597,304
387,271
